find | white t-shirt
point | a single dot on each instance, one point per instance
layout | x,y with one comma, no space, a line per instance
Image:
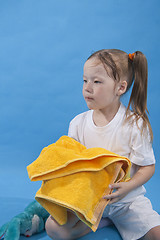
119,136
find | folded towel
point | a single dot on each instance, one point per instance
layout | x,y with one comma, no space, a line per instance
76,178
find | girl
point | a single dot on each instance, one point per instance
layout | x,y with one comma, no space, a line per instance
108,74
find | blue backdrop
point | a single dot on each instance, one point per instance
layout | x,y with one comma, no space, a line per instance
43,46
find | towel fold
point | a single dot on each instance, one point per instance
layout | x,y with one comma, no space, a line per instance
76,178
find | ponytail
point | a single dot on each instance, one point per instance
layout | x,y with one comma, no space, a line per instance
138,99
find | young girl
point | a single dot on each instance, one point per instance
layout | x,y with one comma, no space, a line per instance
108,74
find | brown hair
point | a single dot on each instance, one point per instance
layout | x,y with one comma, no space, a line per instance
119,66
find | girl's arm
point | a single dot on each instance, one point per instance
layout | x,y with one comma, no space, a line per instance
143,174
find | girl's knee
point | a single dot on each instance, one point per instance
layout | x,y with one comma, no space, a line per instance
56,231
49,227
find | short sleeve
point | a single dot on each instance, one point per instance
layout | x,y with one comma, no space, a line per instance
141,148
76,127
72,130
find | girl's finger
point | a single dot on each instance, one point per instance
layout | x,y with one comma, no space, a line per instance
113,201
107,197
114,186
112,195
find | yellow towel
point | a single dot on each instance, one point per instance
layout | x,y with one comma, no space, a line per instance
76,178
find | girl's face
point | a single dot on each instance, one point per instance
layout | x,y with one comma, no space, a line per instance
99,90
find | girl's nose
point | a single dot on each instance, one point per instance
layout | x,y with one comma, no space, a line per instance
88,87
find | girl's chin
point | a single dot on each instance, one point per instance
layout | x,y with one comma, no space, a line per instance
91,107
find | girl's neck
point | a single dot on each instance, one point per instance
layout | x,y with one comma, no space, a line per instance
103,117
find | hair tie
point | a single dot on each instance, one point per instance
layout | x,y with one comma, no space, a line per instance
131,56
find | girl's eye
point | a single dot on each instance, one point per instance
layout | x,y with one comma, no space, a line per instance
84,80
97,81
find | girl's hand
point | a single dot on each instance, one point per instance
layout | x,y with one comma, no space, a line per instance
121,190
143,174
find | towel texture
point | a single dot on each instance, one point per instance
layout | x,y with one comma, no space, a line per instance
76,178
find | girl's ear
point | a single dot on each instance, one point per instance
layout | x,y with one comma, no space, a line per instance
122,87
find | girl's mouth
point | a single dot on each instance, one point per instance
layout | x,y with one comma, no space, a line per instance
88,98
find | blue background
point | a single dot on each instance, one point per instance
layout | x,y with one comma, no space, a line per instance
43,46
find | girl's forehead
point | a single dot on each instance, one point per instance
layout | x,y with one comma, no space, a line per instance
94,66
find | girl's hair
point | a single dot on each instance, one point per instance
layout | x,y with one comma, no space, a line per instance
133,69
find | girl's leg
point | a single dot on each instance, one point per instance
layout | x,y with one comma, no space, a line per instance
153,234
73,229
